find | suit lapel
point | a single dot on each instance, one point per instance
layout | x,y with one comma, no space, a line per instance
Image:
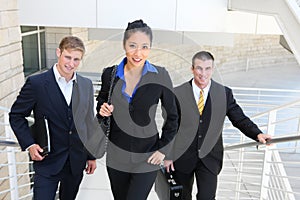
53,91
216,113
191,98
81,98
76,97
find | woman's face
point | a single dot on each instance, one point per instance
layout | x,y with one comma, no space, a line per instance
137,48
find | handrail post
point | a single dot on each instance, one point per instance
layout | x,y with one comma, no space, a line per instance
298,133
240,166
11,159
267,157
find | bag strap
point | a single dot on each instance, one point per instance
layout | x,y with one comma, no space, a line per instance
112,80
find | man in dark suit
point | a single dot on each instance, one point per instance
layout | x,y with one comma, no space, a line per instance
61,96
198,148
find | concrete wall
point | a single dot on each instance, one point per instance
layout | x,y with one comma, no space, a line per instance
11,80
245,52
54,36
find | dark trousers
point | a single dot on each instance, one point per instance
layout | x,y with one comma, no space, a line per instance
130,186
205,179
45,187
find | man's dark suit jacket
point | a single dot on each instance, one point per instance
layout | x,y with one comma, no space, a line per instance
193,128
139,134
42,95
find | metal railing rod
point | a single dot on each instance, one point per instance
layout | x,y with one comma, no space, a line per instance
262,95
281,107
252,192
241,182
5,151
30,194
273,141
264,89
286,120
4,109
242,198
285,148
279,176
282,190
9,143
248,151
277,108
25,174
245,192
25,185
4,178
244,161
248,168
23,163
6,191
286,162
4,124
250,174
26,196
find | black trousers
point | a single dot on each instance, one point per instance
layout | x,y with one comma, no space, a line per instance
45,187
130,186
206,182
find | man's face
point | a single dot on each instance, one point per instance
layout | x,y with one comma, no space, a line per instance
68,62
202,71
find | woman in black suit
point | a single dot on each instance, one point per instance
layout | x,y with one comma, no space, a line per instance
136,148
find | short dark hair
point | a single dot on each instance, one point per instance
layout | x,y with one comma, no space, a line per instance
72,42
137,26
202,55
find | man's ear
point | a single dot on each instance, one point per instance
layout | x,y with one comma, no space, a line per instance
58,52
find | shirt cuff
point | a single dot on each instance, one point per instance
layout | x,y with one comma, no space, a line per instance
29,147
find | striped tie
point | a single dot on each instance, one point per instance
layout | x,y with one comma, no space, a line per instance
201,102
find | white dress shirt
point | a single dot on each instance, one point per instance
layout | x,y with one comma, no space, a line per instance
196,91
65,87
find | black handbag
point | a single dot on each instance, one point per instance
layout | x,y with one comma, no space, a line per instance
166,187
105,122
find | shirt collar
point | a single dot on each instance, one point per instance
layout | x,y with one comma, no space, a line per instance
148,67
58,77
196,89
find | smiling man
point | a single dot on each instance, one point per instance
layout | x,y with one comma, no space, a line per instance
198,147
59,95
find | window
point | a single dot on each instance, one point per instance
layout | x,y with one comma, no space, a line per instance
34,50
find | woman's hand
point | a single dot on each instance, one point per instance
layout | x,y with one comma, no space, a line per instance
156,158
106,110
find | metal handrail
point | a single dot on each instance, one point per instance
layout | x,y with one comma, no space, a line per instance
257,144
9,143
277,108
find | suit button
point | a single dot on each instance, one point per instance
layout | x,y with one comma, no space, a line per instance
70,132
200,136
200,121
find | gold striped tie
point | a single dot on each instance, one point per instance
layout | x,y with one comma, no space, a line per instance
201,102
